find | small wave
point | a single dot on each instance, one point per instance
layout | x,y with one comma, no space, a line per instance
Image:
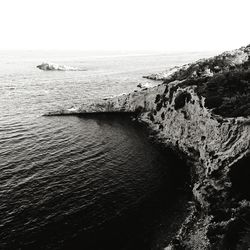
57,67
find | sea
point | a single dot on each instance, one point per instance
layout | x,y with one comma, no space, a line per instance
78,182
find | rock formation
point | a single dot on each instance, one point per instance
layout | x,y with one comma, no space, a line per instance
56,67
146,85
202,111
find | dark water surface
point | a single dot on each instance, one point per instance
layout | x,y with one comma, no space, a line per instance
101,189
80,182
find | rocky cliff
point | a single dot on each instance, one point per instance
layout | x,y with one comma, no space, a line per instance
202,110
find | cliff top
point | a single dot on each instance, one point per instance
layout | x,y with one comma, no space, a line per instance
223,80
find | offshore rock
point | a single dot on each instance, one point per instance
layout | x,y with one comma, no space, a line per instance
56,67
202,110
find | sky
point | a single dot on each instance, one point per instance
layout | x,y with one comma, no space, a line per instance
160,25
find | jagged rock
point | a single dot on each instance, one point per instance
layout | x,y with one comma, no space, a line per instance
201,110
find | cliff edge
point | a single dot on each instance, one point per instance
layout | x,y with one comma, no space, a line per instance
202,111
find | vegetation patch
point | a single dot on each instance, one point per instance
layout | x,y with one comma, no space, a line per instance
158,106
158,98
181,99
227,94
171,93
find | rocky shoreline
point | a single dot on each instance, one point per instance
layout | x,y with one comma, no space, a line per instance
202,111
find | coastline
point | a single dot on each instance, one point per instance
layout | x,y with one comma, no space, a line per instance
201,111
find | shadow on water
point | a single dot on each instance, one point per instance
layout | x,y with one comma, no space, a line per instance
147,223
152,222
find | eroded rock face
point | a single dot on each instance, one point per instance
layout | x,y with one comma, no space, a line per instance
202,111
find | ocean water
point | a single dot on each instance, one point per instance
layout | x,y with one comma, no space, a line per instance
80,182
